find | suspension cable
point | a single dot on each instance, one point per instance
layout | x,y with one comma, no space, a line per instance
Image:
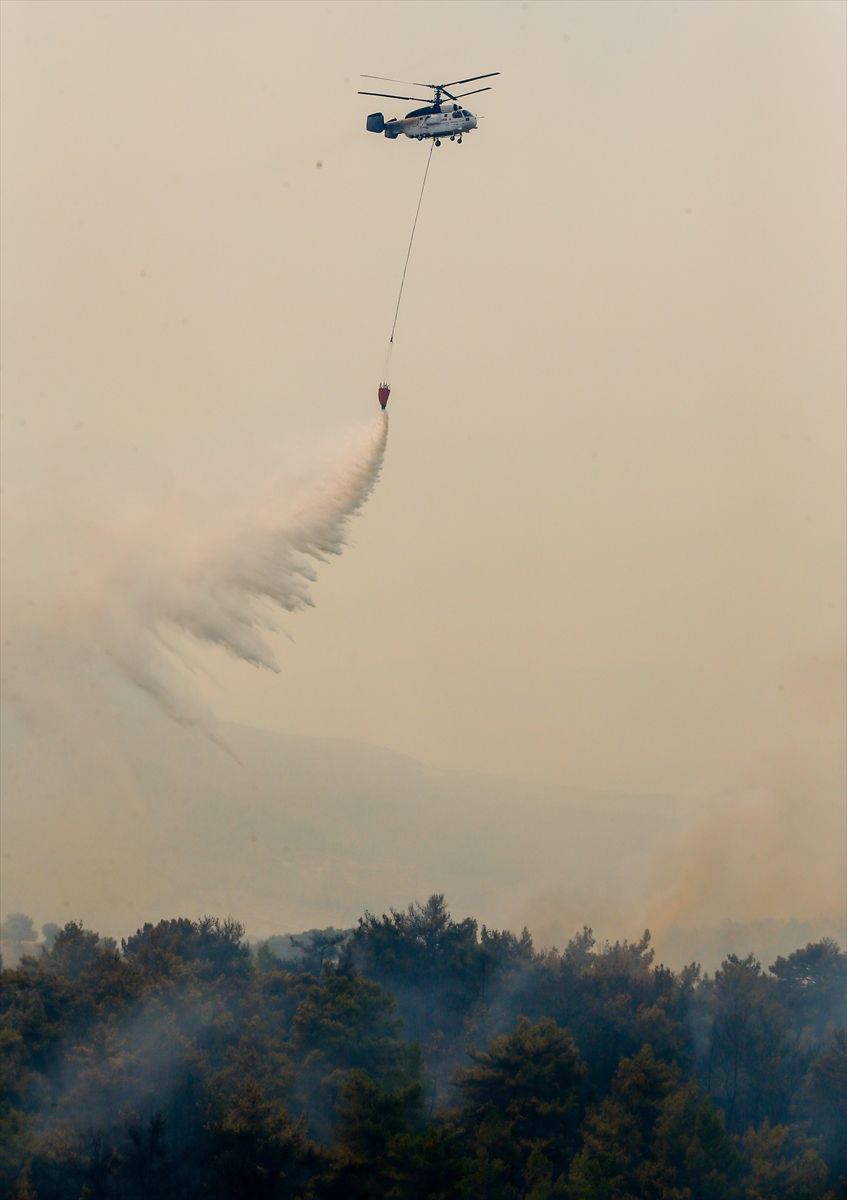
409,251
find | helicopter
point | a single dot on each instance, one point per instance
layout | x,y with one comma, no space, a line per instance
435,120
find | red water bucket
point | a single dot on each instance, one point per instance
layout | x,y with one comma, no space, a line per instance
384,393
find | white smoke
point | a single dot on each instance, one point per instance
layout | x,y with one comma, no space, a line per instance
137,578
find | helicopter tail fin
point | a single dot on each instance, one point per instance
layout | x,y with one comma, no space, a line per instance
376,123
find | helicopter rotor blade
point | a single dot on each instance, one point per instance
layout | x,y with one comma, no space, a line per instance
385,79
390,96
473,78
440,87
473,93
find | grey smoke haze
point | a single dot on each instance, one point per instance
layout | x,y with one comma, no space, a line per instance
149,819
607,552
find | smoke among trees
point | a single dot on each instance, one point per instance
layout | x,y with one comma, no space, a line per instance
417,1056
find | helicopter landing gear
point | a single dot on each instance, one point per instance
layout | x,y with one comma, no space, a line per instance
420,137
452,137
460,141
438,141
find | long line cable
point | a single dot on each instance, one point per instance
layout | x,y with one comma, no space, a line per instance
408,253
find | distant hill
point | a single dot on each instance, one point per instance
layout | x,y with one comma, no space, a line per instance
290,833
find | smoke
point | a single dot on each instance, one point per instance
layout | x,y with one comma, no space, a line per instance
771,848
137,576
758,865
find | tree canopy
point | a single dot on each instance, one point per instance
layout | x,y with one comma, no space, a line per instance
416,1057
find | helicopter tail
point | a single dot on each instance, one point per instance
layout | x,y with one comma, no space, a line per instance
376,123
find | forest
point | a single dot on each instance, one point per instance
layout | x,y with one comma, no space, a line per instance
417,1056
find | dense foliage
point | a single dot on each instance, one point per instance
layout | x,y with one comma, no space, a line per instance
421,1057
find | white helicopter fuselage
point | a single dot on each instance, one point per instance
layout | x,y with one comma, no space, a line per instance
451,121
443,116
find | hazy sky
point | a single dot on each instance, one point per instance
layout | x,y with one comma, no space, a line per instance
607,547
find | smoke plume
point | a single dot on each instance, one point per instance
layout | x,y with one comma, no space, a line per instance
756,866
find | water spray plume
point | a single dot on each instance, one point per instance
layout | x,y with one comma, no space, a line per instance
218,566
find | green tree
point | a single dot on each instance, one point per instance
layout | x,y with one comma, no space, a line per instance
256,1151
50,931
430,962
783,1165
319,946
208,948
347,1023
74,948
382,1150
56,1166
752,1069
17,928
522,1105
692,1152
823,1104
653,1139
146,1166
812,984
614,1001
